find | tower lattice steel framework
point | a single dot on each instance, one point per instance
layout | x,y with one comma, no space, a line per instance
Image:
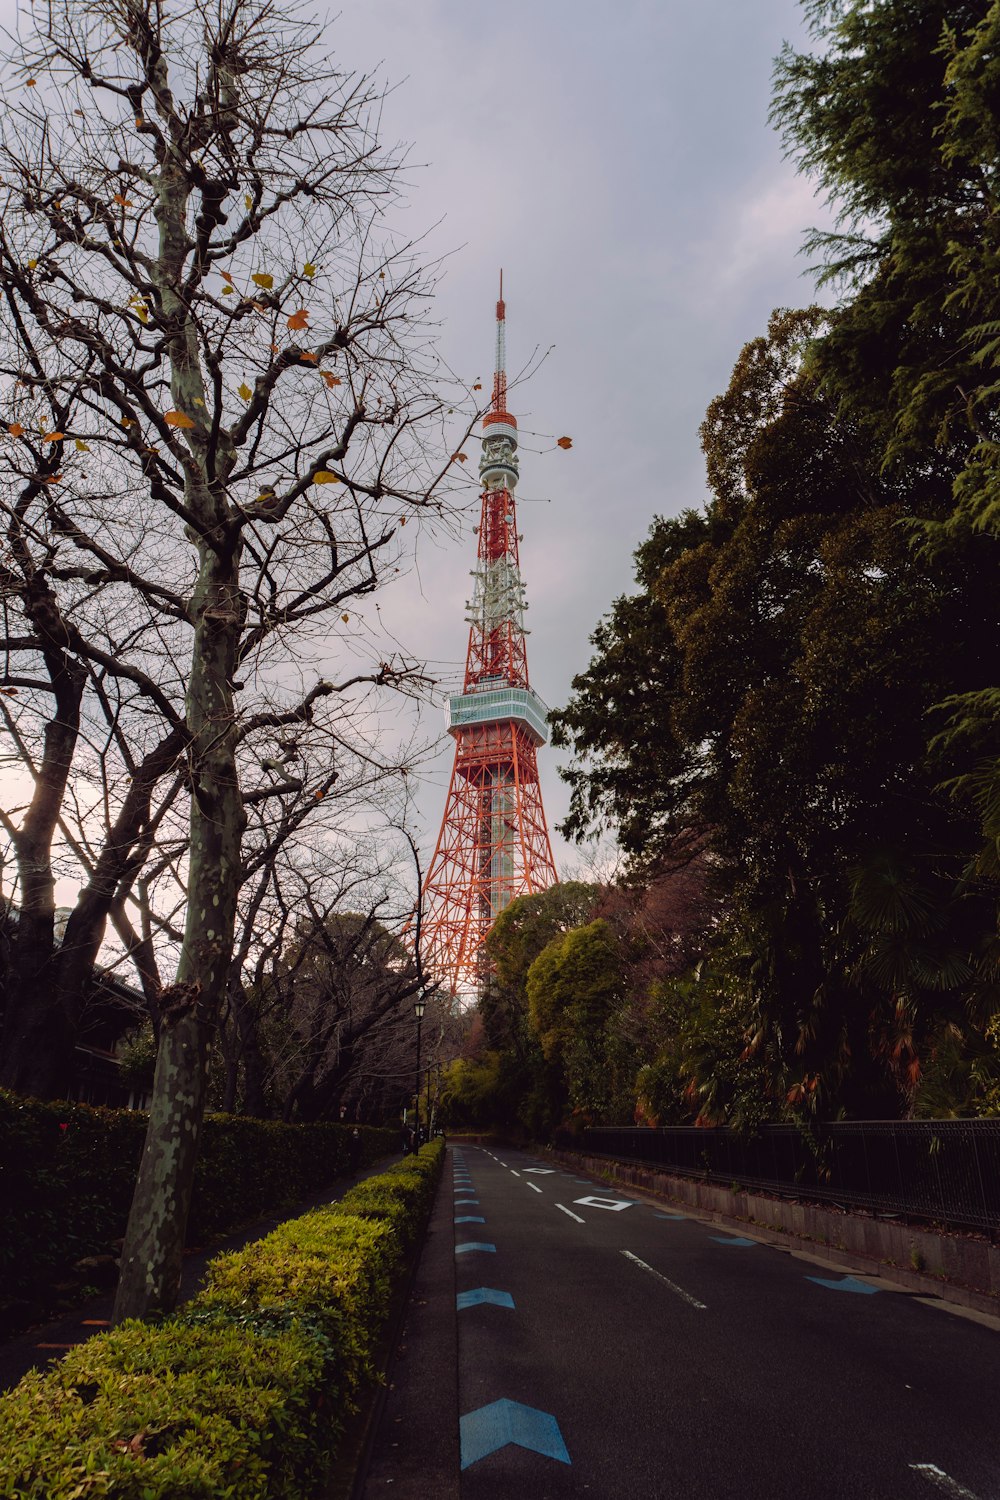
494,841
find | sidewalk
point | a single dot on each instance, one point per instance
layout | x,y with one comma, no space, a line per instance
40,1346
415,1448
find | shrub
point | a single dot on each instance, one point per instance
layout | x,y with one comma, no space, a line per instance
243,1395
67,1172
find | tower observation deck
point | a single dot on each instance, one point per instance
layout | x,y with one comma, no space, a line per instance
494,842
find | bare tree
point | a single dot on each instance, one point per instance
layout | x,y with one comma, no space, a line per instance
222,404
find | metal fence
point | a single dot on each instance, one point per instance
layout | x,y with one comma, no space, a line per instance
944,1170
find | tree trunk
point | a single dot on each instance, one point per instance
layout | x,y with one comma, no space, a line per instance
254,1096
36,1047
154,1239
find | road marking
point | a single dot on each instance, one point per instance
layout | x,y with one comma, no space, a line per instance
465,1203
571,1213
469,1219
693,1301
847,1284
483,1294
541,1171
482,1432
532,1185
475,1245
732,1240
515,1174
613,1205
943,1481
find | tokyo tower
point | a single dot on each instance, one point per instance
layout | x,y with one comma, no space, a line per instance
494,841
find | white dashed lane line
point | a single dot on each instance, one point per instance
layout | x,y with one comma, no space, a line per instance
533,1185
691,1301
571,1213
944,1482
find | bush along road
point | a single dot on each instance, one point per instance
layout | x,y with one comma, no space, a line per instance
245,1393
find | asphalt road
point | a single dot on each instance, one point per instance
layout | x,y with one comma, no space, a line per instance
607,1348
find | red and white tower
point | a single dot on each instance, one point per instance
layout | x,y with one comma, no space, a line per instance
494,841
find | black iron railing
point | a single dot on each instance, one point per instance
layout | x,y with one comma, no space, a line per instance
944,1170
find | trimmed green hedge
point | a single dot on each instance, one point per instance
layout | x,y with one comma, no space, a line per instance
244,1394
67,1172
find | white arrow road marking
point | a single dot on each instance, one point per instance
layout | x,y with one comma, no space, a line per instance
571,1213
693,1301
943,1481
532,1185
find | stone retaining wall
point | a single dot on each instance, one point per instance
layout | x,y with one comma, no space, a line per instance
960,1268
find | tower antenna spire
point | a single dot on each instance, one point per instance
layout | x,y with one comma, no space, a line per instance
500,363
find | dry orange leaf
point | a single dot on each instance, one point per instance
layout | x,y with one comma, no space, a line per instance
177,419
326,476
15,429
564,442
53,437
244,391
330,378
275,348
30,83
299,319
461,457
307,354
345,618
477,386
121,199
261,278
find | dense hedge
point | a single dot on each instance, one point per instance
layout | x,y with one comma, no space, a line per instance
67,1172
244,1394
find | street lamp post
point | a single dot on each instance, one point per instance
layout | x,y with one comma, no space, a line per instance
419,1006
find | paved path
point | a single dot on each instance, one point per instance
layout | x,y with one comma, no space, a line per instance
611,1349
41,1345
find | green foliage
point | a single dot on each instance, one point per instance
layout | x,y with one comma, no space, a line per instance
244,1393
572,987
810,643
67,1172
896,115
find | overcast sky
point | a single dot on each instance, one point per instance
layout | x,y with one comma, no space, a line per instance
617,161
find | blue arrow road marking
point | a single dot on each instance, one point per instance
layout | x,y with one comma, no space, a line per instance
675,1217
475,1245
728,1239
502,1422
483,1294
465,1202
469,1219
847,1284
